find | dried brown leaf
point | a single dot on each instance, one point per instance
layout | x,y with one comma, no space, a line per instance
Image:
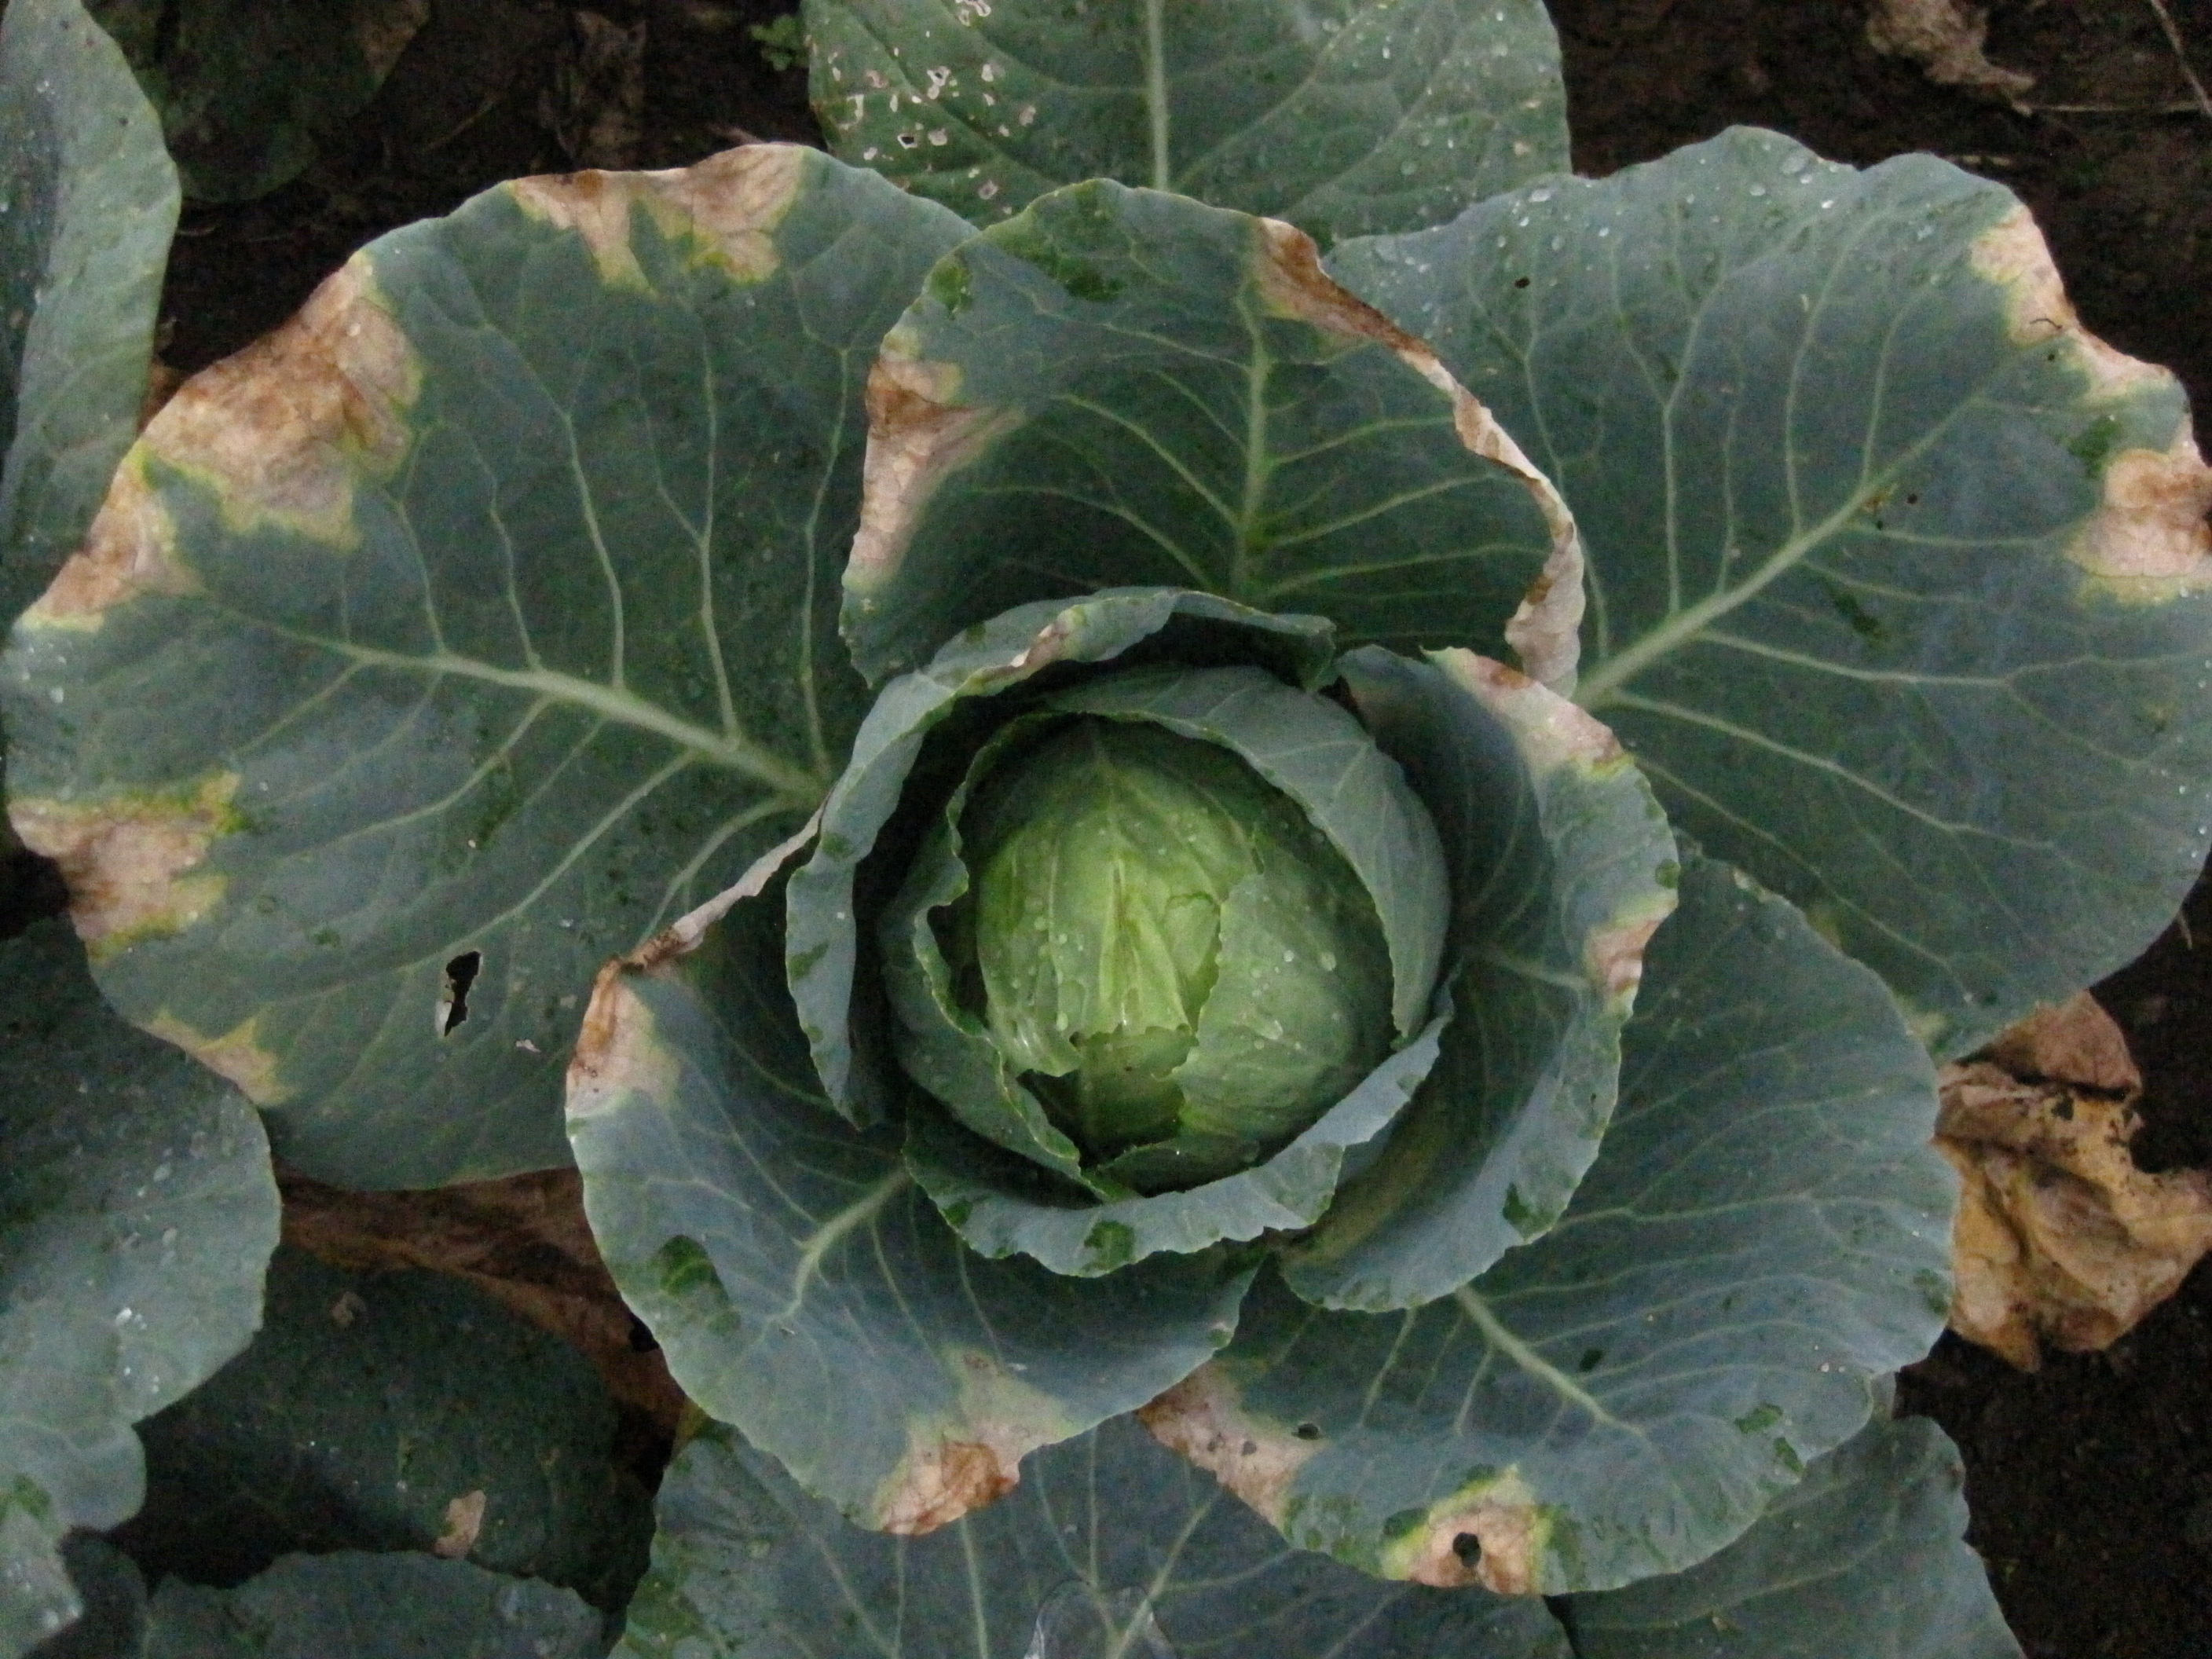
1945,37
2060,1239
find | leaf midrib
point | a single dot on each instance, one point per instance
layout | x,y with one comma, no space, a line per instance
733,751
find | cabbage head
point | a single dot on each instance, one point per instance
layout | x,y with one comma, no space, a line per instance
1235,836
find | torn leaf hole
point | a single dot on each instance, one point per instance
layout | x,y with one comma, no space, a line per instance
453,1004
1519,282
1468,1548
1308,1431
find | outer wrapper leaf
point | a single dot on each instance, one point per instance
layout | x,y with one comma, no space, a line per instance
349,1605
1110,1548
391,1411
1123,387
803,1288
1345,118
1562,865
1864,1558
478,619
1764,1235
87,201
988,1183
1898,578
137,1214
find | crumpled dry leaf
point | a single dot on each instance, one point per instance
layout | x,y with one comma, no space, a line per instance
523,1240
464,1517
596,104
2060,1238
1945,37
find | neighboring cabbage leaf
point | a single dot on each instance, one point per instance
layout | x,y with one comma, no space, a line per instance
1120,387
248,88
87,201
1764,1234
1898,578
137,1214
1109,1546
350,1605
393,1411
802,1286
1344,117
1864,1558
469,629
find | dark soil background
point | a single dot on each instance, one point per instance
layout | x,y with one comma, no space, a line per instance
2090,1481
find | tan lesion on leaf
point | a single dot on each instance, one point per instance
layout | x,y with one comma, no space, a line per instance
1552,732
2059,1238
2012,254
236,1055
727,208
283,431
618,1050
1546,630
972,1457
683,936
1511,1532
1203,1419
1613,957
2147,542
132,862
131,551
918,434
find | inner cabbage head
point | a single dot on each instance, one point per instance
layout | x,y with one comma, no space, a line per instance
1186,970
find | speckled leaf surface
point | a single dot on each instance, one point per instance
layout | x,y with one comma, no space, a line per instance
1110,1546
351,1605
465,631
1765,1233
1344,117
1561,867
1121,387
368,1407
88,199
802,1286
247,89
1864,1558
1898,579
137,1214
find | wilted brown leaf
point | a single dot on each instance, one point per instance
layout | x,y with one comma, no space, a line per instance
2060,1238
1944,37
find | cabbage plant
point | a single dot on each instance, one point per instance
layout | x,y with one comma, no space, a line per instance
1233,829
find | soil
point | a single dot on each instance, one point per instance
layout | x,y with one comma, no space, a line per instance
2090,1481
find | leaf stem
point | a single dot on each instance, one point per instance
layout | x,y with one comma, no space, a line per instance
1156,89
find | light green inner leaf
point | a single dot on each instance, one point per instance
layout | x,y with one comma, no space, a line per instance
1146,909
